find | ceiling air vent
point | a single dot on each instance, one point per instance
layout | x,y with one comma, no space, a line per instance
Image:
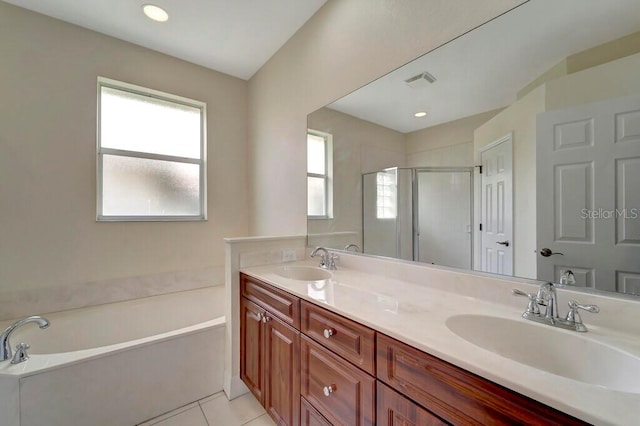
420,80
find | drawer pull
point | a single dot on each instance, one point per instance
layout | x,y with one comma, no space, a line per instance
259,316
328,332
328,390
265,319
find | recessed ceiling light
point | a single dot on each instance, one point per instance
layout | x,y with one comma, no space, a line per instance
420,114
155,12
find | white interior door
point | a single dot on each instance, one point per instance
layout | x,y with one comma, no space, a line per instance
496,236
588,200
444,217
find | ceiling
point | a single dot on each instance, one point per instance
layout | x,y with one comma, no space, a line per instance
486,68
235,37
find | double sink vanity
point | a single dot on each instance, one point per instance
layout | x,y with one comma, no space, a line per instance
391,343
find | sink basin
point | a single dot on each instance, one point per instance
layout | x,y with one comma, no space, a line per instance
566,354
303,273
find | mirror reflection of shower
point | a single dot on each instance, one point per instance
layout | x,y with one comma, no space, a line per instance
416,214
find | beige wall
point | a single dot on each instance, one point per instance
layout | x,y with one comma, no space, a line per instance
447,144
48,233
344,45
613,79
357,146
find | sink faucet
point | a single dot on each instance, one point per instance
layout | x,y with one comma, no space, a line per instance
353,246
5,347
327,261
547,296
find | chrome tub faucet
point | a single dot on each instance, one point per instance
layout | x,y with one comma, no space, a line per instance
5,347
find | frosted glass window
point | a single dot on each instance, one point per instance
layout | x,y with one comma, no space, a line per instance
151,147
319,184
145,124
316,196
143,187
316,155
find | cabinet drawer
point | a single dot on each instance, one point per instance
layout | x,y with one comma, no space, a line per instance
456,395
309,416
352,341
279,303
342,393
396,410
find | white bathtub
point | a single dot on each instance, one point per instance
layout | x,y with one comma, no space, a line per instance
117,364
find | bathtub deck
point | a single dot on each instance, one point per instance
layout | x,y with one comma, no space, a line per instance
216,410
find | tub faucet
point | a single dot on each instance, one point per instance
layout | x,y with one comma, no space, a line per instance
5,347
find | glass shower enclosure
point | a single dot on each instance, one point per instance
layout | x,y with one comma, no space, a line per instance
421,214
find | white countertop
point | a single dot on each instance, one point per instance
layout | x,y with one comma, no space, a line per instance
416,314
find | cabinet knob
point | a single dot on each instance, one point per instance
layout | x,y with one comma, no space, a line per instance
328,390
328,332
265,319
259,316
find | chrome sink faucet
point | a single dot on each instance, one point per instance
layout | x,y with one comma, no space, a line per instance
547,296
352,246
5,347
327,260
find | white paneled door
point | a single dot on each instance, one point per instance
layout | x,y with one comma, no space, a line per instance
496,235
588,178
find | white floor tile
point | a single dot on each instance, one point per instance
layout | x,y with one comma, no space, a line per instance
170,414
263,420
219,411
212,397
192,417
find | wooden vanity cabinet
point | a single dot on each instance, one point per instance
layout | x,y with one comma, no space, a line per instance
309,366
270,349
456,395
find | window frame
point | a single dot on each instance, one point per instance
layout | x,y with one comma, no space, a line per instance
327,176
101,151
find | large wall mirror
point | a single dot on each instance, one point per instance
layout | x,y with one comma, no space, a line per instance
514,149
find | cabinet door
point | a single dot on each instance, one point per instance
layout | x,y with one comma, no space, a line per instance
251,347
282,366
394,409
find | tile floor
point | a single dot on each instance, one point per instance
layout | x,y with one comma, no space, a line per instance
216,410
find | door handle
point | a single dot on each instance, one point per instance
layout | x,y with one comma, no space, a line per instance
546,252
504,243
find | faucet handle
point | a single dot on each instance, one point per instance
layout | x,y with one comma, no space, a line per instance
21,354
332,261
573,316
532,307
